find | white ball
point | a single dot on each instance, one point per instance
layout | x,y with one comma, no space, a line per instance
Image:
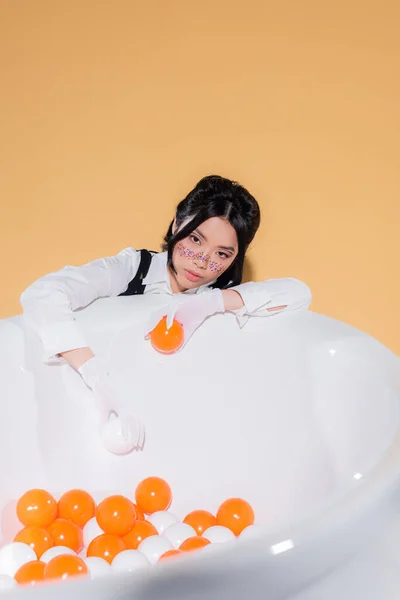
13,556
129,561
55,551
154,546
7,582
91,530
218,534
161,520
177,533
250,532
113,439
97,566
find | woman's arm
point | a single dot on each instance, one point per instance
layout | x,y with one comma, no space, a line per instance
49,303
271,295
260,299
48,306
233,301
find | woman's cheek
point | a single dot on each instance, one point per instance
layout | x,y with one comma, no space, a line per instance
215,267
184,251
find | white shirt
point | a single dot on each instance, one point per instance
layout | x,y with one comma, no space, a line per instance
49,303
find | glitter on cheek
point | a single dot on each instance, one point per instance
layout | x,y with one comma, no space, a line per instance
216,267
184,252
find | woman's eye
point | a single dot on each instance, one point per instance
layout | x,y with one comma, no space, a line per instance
195,239
222,255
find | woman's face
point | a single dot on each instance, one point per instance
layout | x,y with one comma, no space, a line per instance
204,255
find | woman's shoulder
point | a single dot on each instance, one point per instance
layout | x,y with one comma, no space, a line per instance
133,252
127,257
128,251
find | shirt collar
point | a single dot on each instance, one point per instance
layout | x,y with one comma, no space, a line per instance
158,273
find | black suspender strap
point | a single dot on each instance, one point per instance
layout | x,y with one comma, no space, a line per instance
136,285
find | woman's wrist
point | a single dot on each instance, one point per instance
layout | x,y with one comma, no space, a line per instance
76,358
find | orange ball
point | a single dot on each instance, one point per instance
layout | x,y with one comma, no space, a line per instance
36,507
66,533
236,514
77,506
37,538
140,531
153,494
200,520
170,554
65,566
116,515
193,543
106,546
139,513
30,573
166,340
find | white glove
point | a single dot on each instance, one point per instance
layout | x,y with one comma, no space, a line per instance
189,310
110,400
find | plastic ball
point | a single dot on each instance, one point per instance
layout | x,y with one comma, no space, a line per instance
141,530
91,530
97,566
114,440
37,538
30,573
154,546
55,551
116,515
217,534
64,567
66,533
77,506
129,561
13,556
200,520
167,341
36,507
106,546
177,533
161,520
139,513
236,514
153,494
194,543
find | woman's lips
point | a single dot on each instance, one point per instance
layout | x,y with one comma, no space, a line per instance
192,276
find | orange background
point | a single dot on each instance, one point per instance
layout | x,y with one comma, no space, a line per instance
111,111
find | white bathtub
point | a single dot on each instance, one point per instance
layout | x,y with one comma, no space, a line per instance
299,414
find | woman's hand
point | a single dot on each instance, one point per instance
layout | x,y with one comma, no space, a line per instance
109,399
189,310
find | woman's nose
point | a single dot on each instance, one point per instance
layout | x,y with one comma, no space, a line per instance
201,261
